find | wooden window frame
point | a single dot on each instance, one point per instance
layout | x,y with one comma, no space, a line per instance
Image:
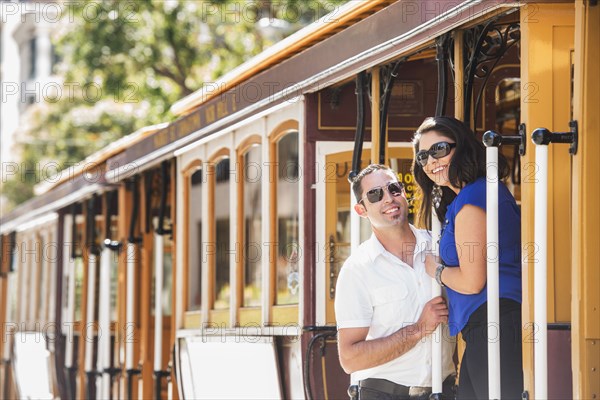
278,314
219,317
191,319
245,315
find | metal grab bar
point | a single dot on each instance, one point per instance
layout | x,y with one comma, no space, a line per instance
7,366
130,374
73,231
383,111
92,261
91,383
492,140
158,376
71,375
113,245
542,137
441,46
160,231
359,136
164,176
436,342
322,333
134,211
131,263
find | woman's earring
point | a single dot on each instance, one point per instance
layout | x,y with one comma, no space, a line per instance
436,194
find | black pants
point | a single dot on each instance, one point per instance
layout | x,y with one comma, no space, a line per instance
473,379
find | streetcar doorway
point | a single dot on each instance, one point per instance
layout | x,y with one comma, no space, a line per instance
334,212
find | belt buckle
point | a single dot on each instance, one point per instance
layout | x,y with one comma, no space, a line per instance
416,391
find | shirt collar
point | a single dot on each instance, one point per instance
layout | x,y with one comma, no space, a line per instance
423,242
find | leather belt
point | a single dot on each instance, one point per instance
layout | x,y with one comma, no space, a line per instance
395,389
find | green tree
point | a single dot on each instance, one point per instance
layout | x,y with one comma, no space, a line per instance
124,63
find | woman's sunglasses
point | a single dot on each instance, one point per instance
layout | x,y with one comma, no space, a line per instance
437,150
376,194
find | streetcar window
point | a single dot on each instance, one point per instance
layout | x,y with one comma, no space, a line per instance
166,293
252,227
195,241
222,239
288,251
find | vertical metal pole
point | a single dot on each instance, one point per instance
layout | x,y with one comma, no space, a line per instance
69,349
103,363
130,323
354,223
436,340
375,114
158,285
89,324
540,346
9,332
70,266
493,265
130,302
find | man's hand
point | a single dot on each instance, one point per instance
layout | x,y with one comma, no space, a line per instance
357,353
434,313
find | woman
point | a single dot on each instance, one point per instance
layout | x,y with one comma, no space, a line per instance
449,168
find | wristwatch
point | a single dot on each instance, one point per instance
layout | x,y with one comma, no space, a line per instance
438,274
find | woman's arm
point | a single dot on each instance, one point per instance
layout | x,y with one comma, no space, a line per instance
470,276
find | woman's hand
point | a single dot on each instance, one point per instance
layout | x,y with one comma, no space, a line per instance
431,263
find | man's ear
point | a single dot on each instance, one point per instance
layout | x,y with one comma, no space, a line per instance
360,210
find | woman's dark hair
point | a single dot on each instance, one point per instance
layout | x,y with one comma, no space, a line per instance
466,166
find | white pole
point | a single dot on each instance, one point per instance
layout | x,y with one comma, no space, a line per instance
130,324
70,313
493,265
354,223
103,363
89,323
436,290
70,267
9,325
44,276
24,269
540,275
158,285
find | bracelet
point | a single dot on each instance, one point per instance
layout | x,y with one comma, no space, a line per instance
438,274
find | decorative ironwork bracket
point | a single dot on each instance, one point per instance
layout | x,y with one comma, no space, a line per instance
442,45
485,46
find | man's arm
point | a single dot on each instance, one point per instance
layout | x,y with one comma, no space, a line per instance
357,353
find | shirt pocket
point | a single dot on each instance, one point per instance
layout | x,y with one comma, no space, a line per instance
393,305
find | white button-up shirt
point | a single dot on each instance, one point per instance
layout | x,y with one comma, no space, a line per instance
376,289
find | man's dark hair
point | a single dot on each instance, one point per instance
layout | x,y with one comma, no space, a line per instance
357,182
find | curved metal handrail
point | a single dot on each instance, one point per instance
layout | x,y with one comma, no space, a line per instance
322,333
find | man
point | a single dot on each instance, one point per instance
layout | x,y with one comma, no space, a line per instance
384,311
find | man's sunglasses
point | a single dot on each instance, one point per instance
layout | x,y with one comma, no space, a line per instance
437,150
376,194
